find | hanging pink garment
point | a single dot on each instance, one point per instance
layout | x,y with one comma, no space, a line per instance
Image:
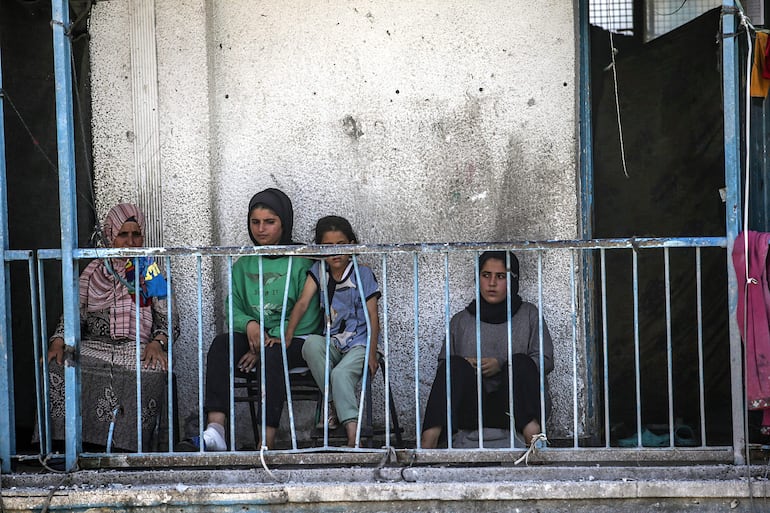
754,319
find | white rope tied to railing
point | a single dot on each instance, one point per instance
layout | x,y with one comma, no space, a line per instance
534,444
262,450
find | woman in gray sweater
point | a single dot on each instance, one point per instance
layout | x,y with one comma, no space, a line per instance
495,323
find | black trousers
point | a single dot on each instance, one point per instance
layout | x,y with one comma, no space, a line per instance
494,404
218,374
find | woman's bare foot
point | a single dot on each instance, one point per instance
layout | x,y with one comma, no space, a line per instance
530,430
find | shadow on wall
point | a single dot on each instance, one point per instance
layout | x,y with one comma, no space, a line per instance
671,106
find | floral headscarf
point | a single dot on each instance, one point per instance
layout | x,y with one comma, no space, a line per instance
102,284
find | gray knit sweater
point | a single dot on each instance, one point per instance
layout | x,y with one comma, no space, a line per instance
494,340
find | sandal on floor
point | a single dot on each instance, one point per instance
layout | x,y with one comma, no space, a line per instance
649,439
684,436
333,422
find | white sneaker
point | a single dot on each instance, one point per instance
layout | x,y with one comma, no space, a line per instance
213,441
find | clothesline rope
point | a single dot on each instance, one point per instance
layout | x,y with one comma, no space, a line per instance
744,20
537,441
613,51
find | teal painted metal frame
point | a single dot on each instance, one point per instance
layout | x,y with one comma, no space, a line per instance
732,142
586,192
65,141
7,409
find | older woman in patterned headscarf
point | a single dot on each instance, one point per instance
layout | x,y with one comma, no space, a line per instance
108,342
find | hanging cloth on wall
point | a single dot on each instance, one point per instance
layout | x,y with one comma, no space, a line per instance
753,317
760,74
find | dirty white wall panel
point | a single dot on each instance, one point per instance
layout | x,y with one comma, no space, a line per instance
113,127
182,89
144,82
418,121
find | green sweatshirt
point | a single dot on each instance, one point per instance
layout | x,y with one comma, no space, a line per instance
246,303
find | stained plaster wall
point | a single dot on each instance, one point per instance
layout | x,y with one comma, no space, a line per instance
418,121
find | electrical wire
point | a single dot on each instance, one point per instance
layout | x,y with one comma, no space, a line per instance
674,11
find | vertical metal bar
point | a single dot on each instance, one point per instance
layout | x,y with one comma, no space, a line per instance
7,409
509,343
447,353
231,357
36,351
588,291
479,381
138,338
416,306
573,312
328,341
605,348
365,377
285,358
733,211
669,349
201,414
44,425
262,362
584,122
170,356
385,347
65,131
637,365
701,382
540,334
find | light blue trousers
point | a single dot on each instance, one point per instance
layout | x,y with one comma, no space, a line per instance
346,371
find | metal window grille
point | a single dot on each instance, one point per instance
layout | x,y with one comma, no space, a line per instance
663,16
614,15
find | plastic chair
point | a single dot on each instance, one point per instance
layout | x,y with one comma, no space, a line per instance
304,387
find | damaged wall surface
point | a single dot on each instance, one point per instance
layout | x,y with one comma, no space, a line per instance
419,122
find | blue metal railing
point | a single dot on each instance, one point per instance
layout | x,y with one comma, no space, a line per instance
7,445
535,252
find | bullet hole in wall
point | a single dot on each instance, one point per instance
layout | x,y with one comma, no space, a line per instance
227,96
481,89
397,91
351,127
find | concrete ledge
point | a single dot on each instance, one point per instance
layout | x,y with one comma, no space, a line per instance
387,489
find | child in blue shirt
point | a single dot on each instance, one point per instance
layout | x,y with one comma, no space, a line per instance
348,333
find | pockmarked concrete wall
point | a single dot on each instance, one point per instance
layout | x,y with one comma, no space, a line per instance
423,121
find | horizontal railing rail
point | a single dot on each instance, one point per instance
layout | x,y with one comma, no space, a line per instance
422,286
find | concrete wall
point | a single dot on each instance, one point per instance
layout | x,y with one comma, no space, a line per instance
418,121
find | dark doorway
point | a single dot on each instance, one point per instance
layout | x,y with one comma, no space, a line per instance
32,173
669,92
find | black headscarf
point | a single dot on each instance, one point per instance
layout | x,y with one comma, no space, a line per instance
498,313
279,203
